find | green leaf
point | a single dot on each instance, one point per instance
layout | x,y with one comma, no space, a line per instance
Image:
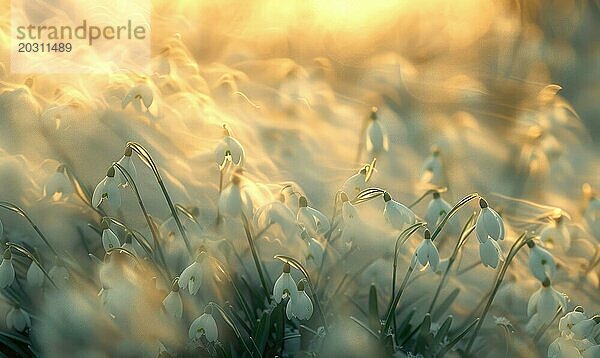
262,331
446,304
404,327
457,339
374,322
424,332
443,331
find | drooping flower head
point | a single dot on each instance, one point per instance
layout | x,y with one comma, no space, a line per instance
489,224
109,238
205,325
234,201
556,233
277,213
285,285
18,319
314,249
312,219
544,304
192,276
58,185
107,192
377,140
127,163
7,270
577,325
427,253
358,182
229,150
432,172
436,210
35,276
138,95
300,305
541,262
396,214
490,253
172,304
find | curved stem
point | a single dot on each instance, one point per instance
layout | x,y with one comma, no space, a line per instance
12,207
146,158
459,243
519,243
451,213
229,321
254,252
298,266
26,252
151,226
238,294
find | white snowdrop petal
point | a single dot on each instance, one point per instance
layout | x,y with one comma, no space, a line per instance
533,301
109,240
7,273
35,275
173,305
285,283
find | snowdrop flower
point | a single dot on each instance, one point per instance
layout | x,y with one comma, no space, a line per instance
285,284
172,304
577,324
18,319
299,305
566,347
432,172
109,238
350,219
490,253
58,185
191,277
314,249
7,271
35,275
557,234
126,162
277,213
377,141
233,201
544,303
139,94
205,325
229,150
107,191
489,223
426,252
541,262
59,275
358,182
396,214
312,219
436,210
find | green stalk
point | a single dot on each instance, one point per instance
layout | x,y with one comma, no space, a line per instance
459,243
256,258
519,243
451,213
12,207
229,321
153,231
147,159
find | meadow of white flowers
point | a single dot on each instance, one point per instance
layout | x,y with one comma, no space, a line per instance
245,202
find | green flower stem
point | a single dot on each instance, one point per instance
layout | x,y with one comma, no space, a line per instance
466,231
229,321
26,252
147,159
151,225
298,266
518,244
12,207
240,298
451,213
256,259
